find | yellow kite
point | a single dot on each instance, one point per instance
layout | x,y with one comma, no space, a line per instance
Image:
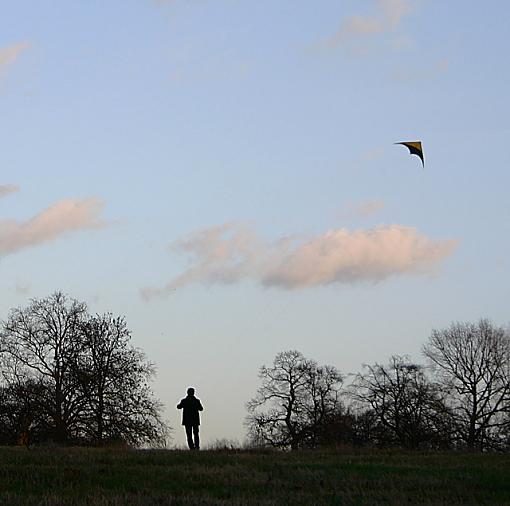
414,148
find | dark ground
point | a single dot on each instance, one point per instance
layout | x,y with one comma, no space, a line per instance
78,476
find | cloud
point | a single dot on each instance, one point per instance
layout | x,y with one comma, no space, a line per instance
388,17
10,54
361,209
370,207
394,11
231,253
61,218
7,189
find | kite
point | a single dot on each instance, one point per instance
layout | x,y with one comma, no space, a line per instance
414,148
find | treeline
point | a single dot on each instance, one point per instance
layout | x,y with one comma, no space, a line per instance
458,399
69,377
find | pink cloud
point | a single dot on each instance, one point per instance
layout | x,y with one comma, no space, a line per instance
340,256
64,217
231,253
387,18
10,54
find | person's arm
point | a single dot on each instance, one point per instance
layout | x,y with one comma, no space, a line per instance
179,406
200,407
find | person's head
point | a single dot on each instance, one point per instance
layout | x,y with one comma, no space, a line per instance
190,391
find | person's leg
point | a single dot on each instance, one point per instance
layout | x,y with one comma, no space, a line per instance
189,436
196,436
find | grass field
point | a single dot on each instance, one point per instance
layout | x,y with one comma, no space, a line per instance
77,476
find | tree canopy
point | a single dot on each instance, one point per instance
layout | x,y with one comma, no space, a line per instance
72,377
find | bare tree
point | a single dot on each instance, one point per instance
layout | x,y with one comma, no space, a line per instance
114,378
22,417
295,398
71,377
42,341
321,401
472,362
406,405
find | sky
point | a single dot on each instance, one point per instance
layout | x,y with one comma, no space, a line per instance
223,173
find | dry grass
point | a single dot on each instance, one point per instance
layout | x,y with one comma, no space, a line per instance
77,476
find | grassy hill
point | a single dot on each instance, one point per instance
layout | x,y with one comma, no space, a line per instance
78,476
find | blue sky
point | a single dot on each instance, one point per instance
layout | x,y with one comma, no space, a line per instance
234,162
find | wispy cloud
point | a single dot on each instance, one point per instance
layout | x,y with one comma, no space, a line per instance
366,209
9,54
7,189
387,17
61,218
370,207
231,253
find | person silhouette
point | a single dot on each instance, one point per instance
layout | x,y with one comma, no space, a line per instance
190,406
